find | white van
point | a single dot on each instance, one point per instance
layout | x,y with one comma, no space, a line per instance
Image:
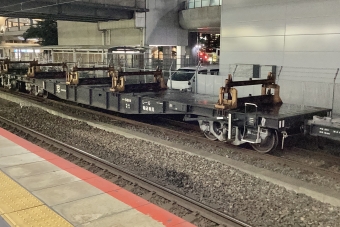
184,77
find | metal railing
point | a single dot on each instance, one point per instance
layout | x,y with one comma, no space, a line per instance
191,4
17,24
131,62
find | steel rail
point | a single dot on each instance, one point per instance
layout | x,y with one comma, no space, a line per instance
265,157
204,210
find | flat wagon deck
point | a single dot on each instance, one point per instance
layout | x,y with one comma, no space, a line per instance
165,102
258,120
259,125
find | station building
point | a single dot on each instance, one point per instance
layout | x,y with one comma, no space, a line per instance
296,40
300,38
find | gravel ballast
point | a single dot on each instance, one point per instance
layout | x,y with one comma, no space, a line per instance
278,167
253,200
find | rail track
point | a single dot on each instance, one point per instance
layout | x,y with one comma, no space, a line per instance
196,212
190,133
319,160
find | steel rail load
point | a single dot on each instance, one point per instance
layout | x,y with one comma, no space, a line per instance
260,120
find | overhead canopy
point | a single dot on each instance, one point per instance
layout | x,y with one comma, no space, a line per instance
73,10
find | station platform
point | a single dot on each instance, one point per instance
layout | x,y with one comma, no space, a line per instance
39,188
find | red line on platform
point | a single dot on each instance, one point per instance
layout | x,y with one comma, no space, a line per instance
138,203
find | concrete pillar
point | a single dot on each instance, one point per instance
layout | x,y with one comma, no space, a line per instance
103,38
74,56
142,44
103,57
191,50
52,55
180,57
108,37
147,58
88,58
166,51
167,57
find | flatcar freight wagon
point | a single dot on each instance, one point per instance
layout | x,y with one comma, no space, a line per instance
258,120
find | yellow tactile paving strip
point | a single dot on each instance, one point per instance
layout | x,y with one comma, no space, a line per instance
20,208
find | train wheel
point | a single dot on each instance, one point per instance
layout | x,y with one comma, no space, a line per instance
45,94
210,136
268,144
17,87
205,127
35,90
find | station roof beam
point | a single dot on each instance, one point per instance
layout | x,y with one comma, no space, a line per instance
73,10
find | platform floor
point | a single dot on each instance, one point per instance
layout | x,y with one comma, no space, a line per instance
39,188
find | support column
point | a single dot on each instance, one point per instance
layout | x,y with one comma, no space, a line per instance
74,56
191,49
147,58
167,57
180,57
166,51
108,37
18,24
103,37
52,55
103,58
88,58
